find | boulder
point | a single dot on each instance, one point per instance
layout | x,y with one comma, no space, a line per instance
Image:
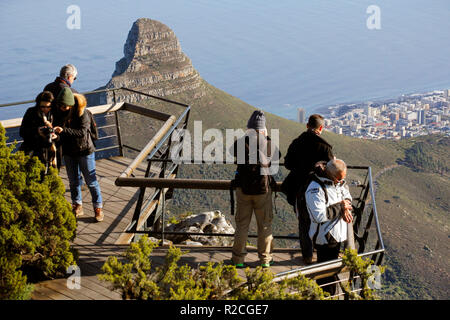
205,222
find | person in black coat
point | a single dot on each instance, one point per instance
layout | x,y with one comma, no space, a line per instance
303,153
67,75
36,130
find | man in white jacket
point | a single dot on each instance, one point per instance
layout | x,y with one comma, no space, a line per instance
329,206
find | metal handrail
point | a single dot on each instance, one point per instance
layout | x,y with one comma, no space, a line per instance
335,264
223,185
374,208
119,145
9,104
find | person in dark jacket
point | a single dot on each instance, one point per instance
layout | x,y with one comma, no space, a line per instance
78,151
67,75
303,153
36,130
254,184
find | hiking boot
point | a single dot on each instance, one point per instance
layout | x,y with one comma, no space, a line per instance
77,210
98,214
267,265
308,260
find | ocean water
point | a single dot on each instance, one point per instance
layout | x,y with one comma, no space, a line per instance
276,55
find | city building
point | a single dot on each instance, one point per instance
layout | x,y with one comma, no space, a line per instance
301,115
421,117
404,117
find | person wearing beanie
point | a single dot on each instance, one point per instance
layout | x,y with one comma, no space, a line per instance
78,150
257,120
254,185
65,97
61,107
36,130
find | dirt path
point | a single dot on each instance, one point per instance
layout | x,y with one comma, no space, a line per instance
380,173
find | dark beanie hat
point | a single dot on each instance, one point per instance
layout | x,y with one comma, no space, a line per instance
66,97
257,120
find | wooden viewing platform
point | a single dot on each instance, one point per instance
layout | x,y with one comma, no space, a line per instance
134,192
95,242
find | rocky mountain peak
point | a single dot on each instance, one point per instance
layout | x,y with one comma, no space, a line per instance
153,63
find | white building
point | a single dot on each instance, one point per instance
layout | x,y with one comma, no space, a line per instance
301,115
447,94
411,116
369,111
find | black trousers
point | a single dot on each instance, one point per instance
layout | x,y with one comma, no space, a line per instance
327,253
304,223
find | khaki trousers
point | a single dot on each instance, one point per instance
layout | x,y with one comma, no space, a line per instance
261,205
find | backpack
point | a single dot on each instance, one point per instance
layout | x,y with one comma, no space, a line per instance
93,128
301,201
249,177
313,177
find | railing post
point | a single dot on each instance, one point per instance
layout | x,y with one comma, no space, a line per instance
162,174
138,208
118,131
374,208
119,134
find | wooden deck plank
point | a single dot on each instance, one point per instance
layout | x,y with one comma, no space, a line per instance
42,290
101,289
38,295
56,286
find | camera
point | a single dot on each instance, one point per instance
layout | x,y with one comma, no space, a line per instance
47,132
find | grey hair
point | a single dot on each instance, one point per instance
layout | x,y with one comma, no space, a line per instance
335,166
68,70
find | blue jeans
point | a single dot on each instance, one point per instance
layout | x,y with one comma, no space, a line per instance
85,165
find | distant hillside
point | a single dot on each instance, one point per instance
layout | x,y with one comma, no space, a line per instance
412,188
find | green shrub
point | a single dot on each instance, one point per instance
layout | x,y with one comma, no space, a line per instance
360,267
136,279
36,223
260,286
